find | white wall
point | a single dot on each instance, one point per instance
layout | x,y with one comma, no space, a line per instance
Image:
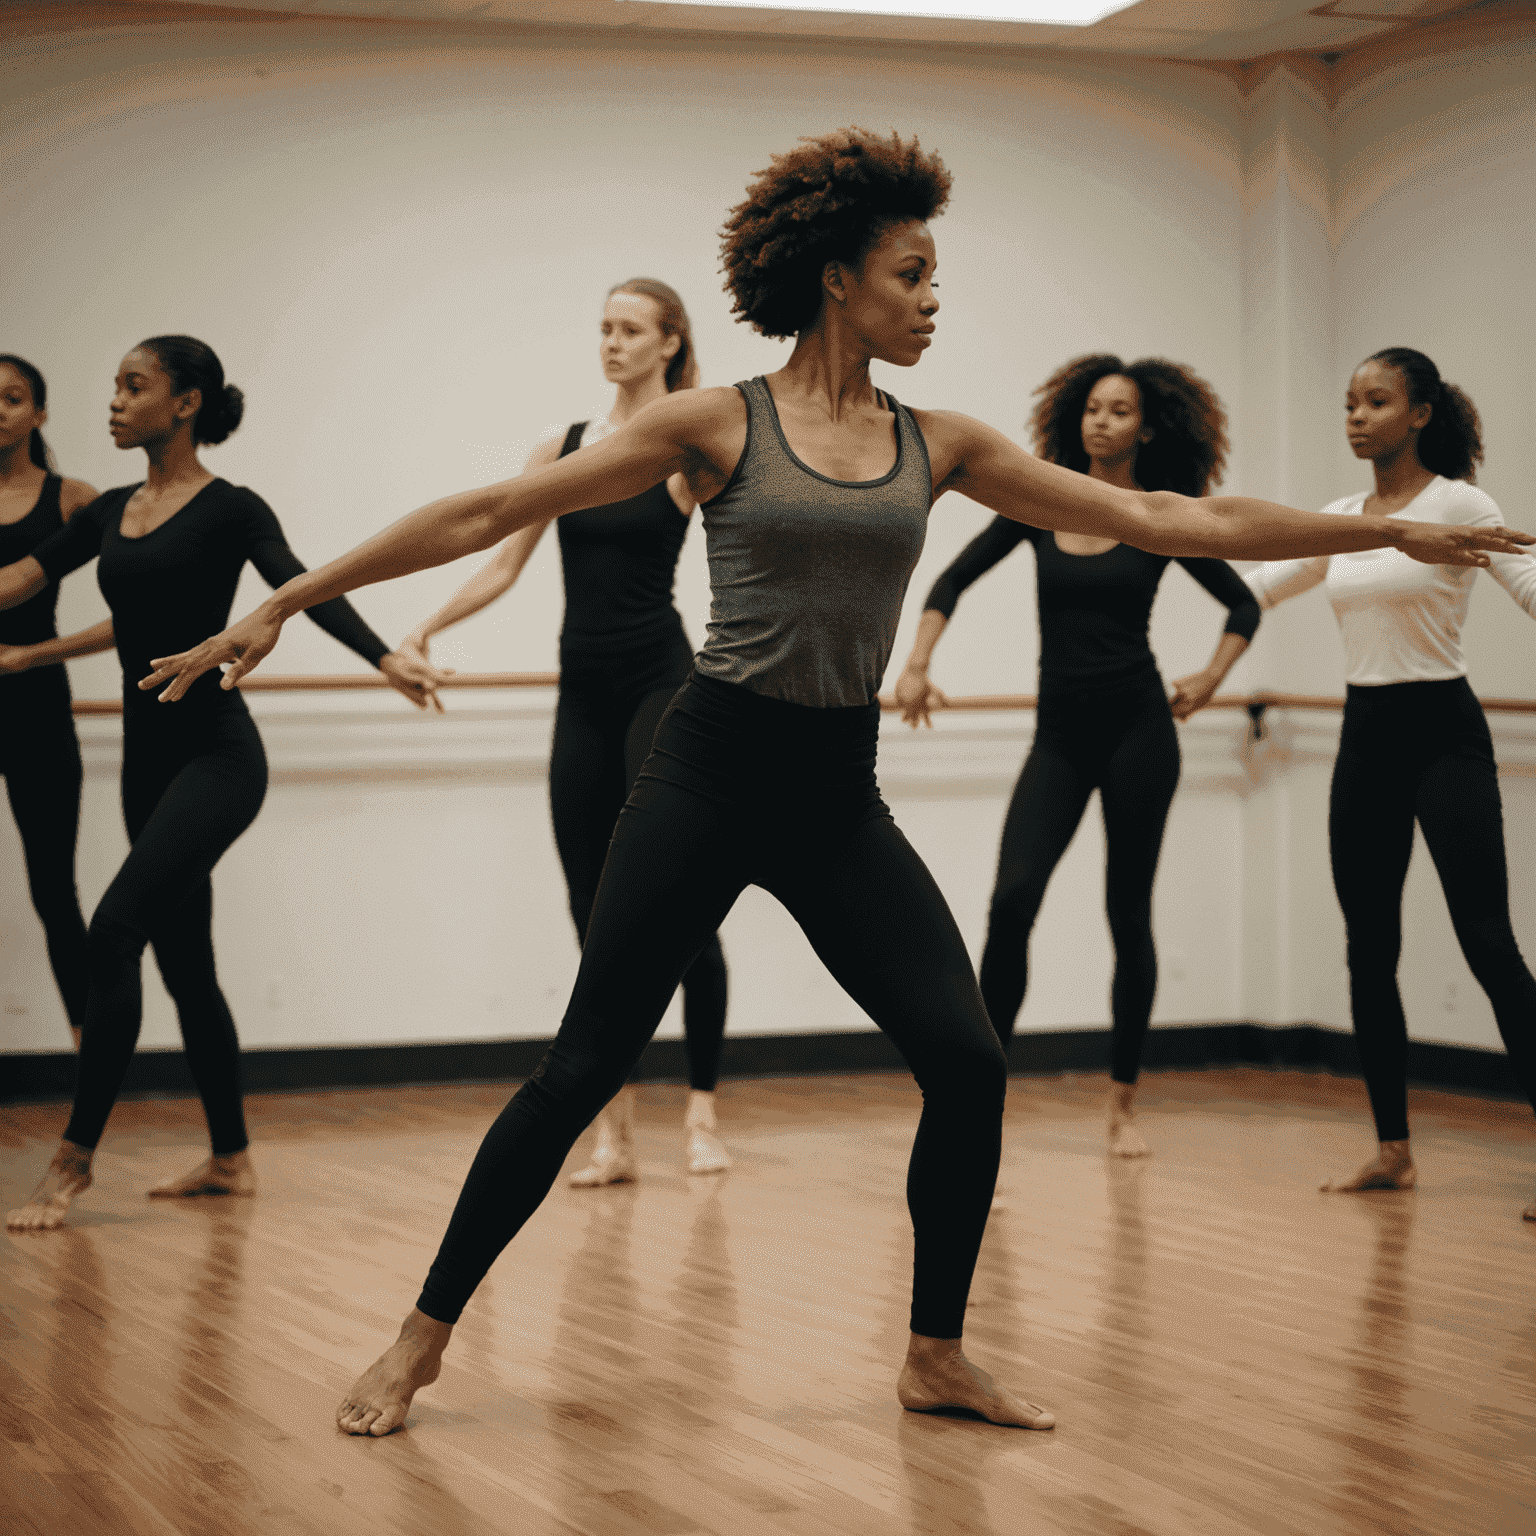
398,238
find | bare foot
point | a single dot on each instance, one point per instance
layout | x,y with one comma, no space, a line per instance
613,1158
228,1175
68,1175
706,1152
610,1164
937,1375
1125,1140
381,1397
1391,1168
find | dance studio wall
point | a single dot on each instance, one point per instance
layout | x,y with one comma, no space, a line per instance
398,238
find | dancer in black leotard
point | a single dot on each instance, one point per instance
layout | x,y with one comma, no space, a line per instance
623,654
763,767
1103,720
1414,745
39,754
171,551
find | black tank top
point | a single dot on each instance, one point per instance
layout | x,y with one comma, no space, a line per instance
33,620
618,562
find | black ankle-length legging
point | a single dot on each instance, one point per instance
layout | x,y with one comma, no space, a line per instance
1421,752
189,790
40,758
1122,742
743,790
603,736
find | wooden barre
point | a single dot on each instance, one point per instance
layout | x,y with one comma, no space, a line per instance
335,682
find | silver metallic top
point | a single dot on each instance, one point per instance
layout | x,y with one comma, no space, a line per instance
808,573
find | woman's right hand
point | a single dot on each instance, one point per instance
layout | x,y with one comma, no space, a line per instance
916,697
14,659
242,647
1453,544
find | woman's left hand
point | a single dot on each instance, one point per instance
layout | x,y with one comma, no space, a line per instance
14,658
418,680
1193,693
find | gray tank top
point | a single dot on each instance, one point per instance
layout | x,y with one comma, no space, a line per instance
808,573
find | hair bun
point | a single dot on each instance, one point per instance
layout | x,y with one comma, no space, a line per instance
219,417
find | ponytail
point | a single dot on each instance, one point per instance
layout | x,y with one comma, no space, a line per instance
1451,443
37,450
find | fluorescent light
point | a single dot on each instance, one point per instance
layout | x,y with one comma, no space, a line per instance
1068,13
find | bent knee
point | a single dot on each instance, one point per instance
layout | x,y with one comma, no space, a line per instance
575,1078
974,1073
111,943
1014,906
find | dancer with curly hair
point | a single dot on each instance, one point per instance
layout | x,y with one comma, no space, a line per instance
1103,720
1414,745
623,654
39,752
815,487
171,551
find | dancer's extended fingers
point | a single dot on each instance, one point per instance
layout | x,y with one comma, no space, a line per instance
1506,541
180,672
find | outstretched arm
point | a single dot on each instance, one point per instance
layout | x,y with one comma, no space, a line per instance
653,445
20,580
482,589
268,550
494,578
22,658
990,468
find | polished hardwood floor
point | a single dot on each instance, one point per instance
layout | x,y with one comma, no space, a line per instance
1226,1349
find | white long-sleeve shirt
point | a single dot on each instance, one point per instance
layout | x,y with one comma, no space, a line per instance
1401,619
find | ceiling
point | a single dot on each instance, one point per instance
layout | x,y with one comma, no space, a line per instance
1227,30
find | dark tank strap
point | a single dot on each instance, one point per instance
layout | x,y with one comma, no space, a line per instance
33,620
572,438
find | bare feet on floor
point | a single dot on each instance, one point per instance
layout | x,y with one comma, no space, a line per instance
1125,1140
613,1158
228,1175
381,1397
937,1375
705,1151
68,1175
1391,1168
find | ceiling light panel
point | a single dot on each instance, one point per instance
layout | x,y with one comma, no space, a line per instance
1070,13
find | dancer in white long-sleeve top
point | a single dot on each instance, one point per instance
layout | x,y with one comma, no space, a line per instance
1415,745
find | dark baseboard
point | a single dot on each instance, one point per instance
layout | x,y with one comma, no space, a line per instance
51,1074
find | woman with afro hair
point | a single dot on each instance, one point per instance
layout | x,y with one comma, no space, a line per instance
1103,720
815,488
1414,745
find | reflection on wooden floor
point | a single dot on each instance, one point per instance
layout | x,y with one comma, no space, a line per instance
1226,1349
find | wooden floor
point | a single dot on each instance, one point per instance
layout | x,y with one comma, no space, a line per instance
1226,1349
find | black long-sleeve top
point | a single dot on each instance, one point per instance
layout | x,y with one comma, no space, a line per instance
172,588
1095,610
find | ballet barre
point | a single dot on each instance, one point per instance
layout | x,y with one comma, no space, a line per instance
1254,703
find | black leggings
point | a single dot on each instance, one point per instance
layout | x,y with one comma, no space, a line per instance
40,758
1421,751
189,790
603,734
744,790
1123,743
